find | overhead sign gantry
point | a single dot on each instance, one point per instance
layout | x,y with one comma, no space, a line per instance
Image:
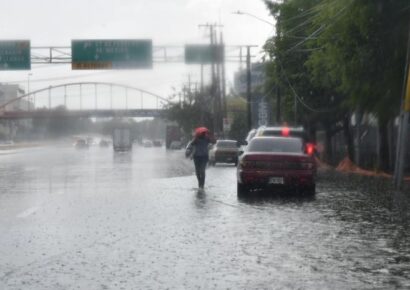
204,53
15,55
94,54
111,54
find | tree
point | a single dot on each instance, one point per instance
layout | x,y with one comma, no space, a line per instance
362,56
239,127
305,100
341,56
192,111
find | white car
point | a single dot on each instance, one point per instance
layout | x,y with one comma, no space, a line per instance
147,143
175,145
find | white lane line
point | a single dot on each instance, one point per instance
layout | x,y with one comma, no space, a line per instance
7,152
28,212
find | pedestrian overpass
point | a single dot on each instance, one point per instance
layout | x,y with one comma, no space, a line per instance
84,100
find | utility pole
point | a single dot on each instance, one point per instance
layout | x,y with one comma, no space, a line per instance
295,108
215,82
278,104
401,151
28,91
223,80
202,78
248,86
189,84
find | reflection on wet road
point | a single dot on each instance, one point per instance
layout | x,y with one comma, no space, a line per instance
93,219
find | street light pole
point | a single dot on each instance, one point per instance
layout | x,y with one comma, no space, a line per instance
248,86
248,69
253,16
28,91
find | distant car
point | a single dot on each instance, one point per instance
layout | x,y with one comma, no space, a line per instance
248,139
276,162
250,135
175,145
6,142
282,131
81,144
147,143
157,143
104,143
224,151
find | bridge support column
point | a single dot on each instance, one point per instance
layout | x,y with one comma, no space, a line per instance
65,97
95,97
81,97
49,98
126,99
111,97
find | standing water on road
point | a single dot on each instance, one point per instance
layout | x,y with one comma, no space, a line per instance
95,219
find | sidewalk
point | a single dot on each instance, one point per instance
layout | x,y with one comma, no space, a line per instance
347,166
19,145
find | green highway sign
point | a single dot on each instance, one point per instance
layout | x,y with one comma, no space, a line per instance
204,53
15,55
111,54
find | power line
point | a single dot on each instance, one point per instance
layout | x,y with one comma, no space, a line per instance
298,98
321,28
317,9
309,11
313,35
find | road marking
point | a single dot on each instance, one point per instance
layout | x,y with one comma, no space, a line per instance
28,212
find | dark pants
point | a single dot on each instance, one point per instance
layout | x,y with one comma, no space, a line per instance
200,167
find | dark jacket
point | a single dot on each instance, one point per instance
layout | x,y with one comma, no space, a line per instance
198,147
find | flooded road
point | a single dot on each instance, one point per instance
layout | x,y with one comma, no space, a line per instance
93,219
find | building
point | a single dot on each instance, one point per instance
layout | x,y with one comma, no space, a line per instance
260,105
258,77
9,129
9,92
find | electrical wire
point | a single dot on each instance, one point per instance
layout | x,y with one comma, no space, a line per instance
322,28
317,9
298,98
309,11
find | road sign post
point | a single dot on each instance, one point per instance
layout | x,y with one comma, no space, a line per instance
15,55
111,54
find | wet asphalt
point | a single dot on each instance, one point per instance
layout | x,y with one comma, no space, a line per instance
95,219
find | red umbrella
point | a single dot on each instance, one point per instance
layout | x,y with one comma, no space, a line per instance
201,130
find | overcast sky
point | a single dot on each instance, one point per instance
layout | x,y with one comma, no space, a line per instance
166,22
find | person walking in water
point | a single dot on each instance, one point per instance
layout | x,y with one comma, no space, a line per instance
198,150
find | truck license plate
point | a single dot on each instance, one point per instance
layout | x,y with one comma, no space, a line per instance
276,180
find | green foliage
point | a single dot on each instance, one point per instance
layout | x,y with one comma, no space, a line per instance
290,50
192,111
239,126
363,53
339,56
